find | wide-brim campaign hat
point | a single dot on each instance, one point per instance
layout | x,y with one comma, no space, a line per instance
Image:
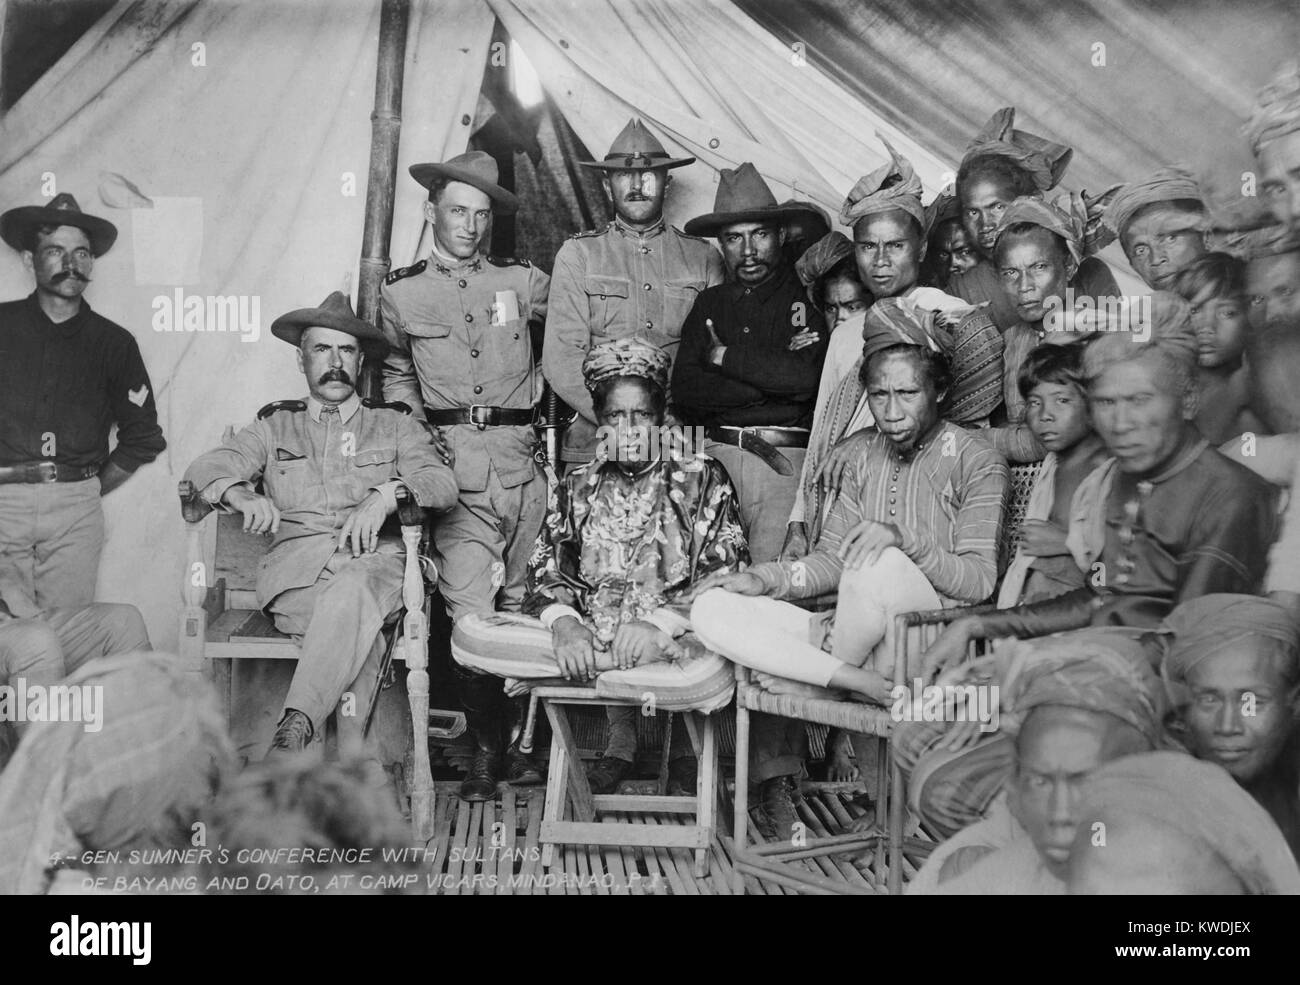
743,196
475,168
637,149
334,312
16,225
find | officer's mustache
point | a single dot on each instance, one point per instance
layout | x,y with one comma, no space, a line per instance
63,275
335,376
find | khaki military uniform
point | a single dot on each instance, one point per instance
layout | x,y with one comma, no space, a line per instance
317,464
617,283
453,345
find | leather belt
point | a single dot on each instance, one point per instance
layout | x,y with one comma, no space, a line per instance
480,415
33,472
764,443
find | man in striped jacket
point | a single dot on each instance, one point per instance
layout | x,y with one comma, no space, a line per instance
915,526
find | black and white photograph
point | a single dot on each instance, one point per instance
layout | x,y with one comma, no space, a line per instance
650,448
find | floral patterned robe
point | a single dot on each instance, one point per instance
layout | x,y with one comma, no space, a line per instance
621,548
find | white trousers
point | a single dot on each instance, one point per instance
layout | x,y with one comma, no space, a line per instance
778,638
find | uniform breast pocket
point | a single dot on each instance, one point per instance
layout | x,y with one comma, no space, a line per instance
428,330
370,467
376,460
679,298
608,300
287,482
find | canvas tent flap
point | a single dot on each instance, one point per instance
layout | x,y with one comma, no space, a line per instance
255,155
247,126
447,47
714,85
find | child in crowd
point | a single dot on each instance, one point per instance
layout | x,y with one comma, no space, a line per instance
1056,410
1215,287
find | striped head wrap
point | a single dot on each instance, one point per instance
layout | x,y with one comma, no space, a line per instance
625,357
1211,624
1277,108
1167,184
821,257
893,185
1055,220
898,321
1201,802
1044,160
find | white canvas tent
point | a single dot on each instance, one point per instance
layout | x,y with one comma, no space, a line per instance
246,127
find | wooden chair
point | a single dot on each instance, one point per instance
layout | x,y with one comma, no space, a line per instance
779,862
221,623
914,632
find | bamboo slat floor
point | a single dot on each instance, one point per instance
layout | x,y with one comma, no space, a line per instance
493,849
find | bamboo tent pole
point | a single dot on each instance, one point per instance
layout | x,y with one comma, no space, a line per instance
385,129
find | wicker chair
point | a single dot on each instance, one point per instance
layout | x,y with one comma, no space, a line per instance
914,632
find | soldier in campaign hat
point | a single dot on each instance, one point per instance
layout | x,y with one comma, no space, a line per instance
330,465
634,278
462,326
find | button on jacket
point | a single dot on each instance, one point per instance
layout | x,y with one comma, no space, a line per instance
451,349
316,466
616,283
761,382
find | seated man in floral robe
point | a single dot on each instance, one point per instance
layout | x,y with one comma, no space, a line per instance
624,538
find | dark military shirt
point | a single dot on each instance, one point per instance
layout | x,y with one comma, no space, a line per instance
64,385
761,382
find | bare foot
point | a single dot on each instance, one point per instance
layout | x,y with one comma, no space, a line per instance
840,767
781,685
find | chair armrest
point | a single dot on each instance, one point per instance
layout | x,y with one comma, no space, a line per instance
409,512
941,617
193,507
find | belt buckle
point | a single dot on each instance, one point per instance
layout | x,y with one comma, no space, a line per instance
474,418
45,471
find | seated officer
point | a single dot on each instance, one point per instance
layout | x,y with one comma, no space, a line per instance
330,465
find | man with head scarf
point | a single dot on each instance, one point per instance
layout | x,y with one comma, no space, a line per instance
1167,518
637,277
1163,823
917,528
951,250
625,537
1038,248
1160,221
1000,165
828,267
1232,666
1069,703
1274,134
888,221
